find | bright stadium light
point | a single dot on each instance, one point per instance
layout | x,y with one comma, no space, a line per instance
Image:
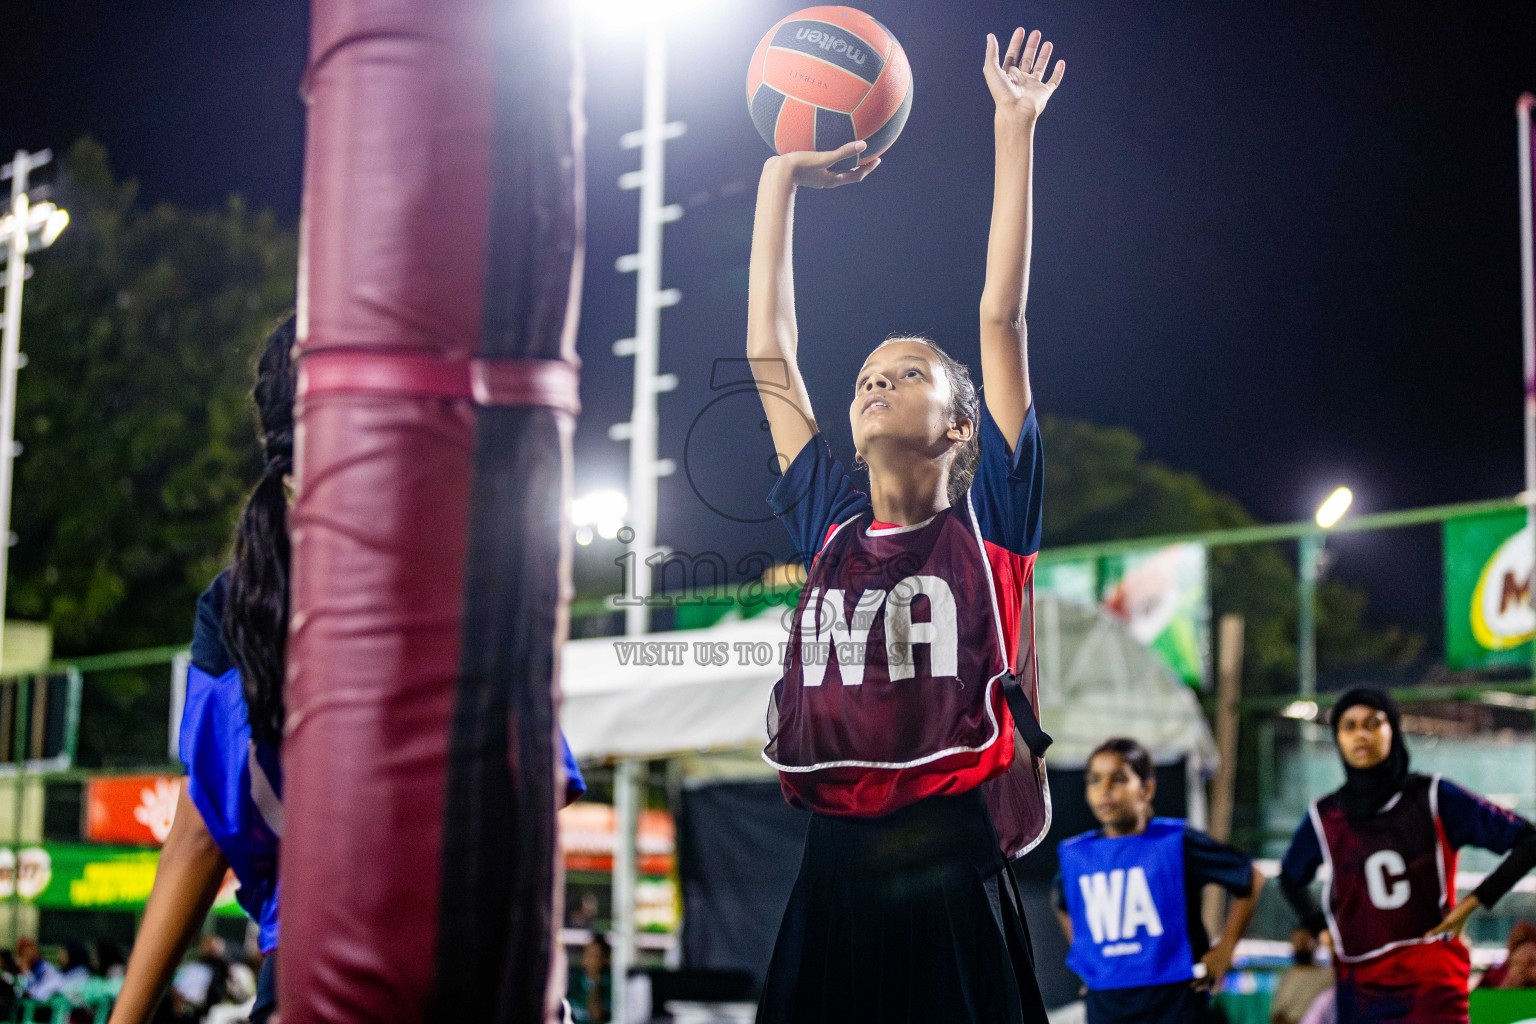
54,226
630,13
600,513
1332,510
1302,710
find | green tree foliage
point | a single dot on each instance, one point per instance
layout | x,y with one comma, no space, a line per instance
1100,486
141,328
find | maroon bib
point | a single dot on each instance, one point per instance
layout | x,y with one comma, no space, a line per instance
890,690
1392,874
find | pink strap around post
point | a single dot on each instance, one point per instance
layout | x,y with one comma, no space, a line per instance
551,383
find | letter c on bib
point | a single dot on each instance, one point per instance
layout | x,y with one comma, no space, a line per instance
1382,868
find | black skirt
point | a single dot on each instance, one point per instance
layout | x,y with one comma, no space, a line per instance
908,919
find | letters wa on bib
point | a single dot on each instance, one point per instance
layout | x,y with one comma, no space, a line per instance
904,644
892,725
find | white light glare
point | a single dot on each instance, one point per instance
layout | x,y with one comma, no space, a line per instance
1332,510
44,219
1303,710
54,226
630,13
602,510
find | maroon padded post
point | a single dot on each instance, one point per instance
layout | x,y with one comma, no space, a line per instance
396,198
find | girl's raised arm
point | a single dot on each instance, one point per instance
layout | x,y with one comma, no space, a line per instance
772,337
1021,91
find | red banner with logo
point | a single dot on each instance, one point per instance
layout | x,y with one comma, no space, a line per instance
136,809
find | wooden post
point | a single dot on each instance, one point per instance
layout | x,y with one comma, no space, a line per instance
1229,690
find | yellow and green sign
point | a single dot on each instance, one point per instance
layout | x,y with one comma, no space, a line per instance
80,876
1489,620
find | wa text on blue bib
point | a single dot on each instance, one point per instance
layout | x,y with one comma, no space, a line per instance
1126,898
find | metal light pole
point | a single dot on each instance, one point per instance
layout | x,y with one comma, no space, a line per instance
1309,567
1528,315
17,228
22,223
644,466
1310,548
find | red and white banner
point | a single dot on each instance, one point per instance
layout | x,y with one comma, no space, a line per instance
136,809
587,836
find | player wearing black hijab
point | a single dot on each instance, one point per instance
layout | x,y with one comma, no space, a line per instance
1390,837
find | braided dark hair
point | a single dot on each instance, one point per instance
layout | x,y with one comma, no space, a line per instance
256,610
964,404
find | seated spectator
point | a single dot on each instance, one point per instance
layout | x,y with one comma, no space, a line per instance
1519,967
1301,983
39,979
592,987
74,968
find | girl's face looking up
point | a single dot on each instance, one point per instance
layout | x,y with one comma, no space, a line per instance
1364,736
902,399
1120,799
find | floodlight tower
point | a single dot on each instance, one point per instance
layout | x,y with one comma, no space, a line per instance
645,468
25,228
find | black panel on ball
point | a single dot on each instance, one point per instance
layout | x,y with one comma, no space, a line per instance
881,138
835,128
766,103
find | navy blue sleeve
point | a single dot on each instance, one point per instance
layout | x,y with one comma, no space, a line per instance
1208,861
208,650
1472,821
1009,486
1303,857
814,494
1297,869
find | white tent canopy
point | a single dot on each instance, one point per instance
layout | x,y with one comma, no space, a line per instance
1095,681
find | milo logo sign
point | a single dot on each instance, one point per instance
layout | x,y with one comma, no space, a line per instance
1489,563
1501,613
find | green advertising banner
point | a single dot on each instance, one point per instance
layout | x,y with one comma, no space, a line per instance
80,876
1489,620
1504,1006
1160,594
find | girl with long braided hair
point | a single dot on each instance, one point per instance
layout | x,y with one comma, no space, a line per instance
229,812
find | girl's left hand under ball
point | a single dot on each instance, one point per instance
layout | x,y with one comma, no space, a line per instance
813,169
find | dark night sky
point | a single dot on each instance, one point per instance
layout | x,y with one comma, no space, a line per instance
1278,241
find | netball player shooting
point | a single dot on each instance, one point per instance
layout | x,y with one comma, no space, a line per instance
1128,897
1389,837
893,715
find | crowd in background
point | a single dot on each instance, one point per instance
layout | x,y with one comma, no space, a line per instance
213,986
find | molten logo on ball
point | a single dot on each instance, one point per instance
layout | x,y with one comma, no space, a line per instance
827,76
828,41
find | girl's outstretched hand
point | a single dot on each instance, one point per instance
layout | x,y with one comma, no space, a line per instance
1018,83
813,169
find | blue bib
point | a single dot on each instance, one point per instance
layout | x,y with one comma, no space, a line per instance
1126,898
237,787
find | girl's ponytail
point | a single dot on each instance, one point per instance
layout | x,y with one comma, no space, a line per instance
256,610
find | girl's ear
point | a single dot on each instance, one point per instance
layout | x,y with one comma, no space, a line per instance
1150,786
961,431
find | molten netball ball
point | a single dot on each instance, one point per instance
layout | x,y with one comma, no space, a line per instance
826,76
